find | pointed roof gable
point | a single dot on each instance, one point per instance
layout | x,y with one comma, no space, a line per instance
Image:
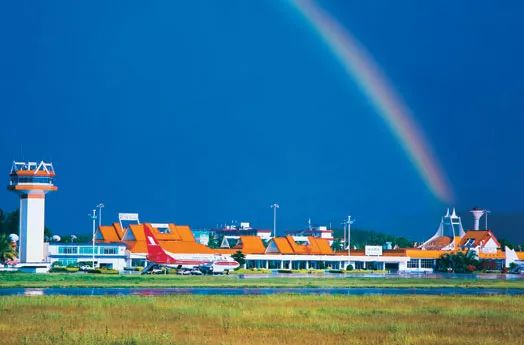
474,238
321,245
250,245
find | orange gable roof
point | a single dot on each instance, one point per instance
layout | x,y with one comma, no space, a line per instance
185,233
118,229
250,245
177,233
283,245
108,233
297,248
319,246
177,247
480,237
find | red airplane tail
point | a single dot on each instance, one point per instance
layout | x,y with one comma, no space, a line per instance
155,253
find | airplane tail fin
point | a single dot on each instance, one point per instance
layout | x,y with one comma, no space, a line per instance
155,253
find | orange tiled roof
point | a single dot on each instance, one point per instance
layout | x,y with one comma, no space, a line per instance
438,243
108,233
520,255
118,229
178,247
297,248
283,245
316,246
481,237
250,245
177,233
319,246
185,233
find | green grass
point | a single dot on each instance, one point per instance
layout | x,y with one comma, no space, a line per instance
276,319
102,280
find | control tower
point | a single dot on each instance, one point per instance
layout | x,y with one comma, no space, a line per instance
31,181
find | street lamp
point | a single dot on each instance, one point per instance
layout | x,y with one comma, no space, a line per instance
274,207
486,219
348,222
100,206
93,218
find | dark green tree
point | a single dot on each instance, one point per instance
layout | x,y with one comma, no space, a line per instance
239,257
458,262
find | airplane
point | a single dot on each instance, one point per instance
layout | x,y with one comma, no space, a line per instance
156,255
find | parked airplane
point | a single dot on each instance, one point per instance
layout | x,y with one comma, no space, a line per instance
156,255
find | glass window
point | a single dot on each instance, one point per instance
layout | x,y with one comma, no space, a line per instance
67,250
413,263
65,262
138,262
87,250
426,263
109,250
359,265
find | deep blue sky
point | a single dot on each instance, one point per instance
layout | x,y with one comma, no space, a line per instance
201,113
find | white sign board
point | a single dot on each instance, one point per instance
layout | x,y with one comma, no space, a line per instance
373,250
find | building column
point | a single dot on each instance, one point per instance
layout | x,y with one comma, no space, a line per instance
267,264
290,265
281,264
307,265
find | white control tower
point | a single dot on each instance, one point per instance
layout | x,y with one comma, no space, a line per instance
31,181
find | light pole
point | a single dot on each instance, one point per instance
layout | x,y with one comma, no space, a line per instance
486,219
274,207
93,218
349,222
100,206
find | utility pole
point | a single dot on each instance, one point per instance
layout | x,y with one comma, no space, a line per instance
93,218
274,207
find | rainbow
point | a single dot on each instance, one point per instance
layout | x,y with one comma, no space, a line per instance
361,67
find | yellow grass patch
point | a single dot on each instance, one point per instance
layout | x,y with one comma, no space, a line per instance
277,319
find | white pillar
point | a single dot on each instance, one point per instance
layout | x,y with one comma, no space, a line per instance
31,242
281,264
267,264
307,265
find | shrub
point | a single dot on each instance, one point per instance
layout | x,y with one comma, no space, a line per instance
103,271
59,269
471,268
285,271
336,271
349,268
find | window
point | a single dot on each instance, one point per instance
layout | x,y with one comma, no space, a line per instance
138,262
67,250
469,242
65,262
109,250
359,265
87,250
426,263
413,263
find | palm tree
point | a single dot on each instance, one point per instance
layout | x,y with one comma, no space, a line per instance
7,251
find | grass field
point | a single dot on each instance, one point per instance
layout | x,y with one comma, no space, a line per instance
276,319
98,280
